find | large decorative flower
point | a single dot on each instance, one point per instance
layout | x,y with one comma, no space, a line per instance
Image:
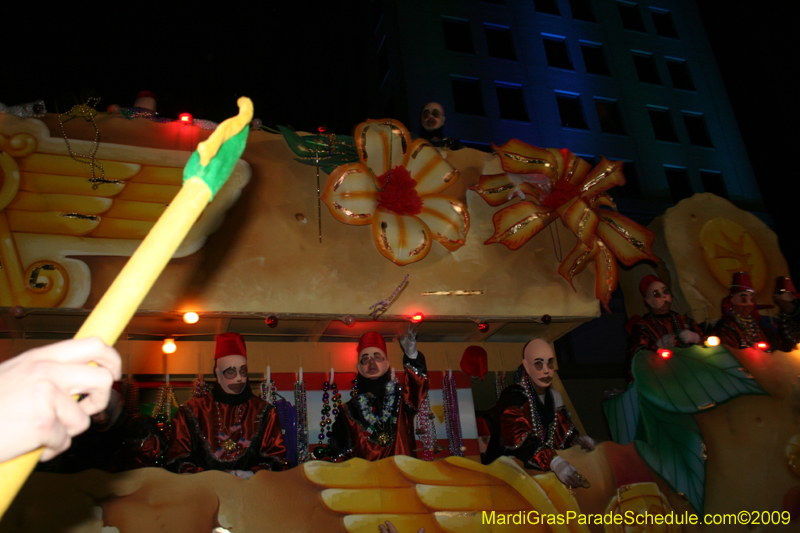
395,187
555,184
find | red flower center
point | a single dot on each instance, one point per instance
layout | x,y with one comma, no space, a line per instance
398,194
562,193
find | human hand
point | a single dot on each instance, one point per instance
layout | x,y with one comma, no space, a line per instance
389,528
586,442
243,474
36,394
689,337
409,341
565,472
667,341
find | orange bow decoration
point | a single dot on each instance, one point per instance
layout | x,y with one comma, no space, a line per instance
555,184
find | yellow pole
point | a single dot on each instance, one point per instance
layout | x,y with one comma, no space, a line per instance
123,297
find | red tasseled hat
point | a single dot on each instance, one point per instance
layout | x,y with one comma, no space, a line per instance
474,362
741,283
646,282
230,344
784,284
371,339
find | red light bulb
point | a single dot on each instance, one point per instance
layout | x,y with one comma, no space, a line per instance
416,318
271,321
664,353
186,118
483,327
762,346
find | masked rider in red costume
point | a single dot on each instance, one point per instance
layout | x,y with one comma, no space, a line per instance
230,429
379,421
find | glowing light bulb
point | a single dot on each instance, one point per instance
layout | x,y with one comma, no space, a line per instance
169,346
712,341
191,317
664,353
416,318
186,118
483,327
762,346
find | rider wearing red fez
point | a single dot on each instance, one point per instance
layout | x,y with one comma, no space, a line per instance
379,421
786,298
661,327
230,429
740,325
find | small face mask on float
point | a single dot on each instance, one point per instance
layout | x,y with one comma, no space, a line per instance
658,298
372,362
231,372
539,362
432,117
744,303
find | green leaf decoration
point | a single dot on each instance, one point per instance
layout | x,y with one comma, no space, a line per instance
674,449
317,149
692,380
622,414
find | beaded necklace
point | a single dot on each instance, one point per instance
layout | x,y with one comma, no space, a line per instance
379,425
749,327
225,435
548,434
302,422
452,417
663,331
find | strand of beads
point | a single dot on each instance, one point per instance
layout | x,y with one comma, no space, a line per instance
452,417
499,384
130,391
426,429
331,403
269,392
302,422
161,413
200,387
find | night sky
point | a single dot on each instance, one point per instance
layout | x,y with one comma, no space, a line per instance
300,63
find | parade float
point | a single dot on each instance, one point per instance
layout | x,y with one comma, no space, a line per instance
279,256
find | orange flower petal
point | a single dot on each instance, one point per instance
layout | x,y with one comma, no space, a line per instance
606,274
400,238
519,157
605,175
447,218
577,260
350,194
429,169
603,199
580,218
517,224
497,188
575,168
381,143
629,241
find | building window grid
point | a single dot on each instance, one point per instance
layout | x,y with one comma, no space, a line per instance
696,129
582,10
678,180
511,101
663,127
457,35
500,42
679,73
555,49
713,182
594,58
609,114
570,110
467,95
664,23
631,17
646,67
547,6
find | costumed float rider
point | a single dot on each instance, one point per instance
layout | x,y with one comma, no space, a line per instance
786,298
533,421
230,429
379,421
740,325
661,327
432,121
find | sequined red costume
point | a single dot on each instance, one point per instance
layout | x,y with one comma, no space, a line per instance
353,436
249,424
646,332
740,333
528,429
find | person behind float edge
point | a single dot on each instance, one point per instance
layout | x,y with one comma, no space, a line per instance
379,421
660,327
786,298
532,421
740,325
230,429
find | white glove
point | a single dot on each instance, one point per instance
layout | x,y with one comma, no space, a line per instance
243,474
564,471
409,341
587,443
667,341
689,337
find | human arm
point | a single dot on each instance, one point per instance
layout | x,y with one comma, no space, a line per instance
37,389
